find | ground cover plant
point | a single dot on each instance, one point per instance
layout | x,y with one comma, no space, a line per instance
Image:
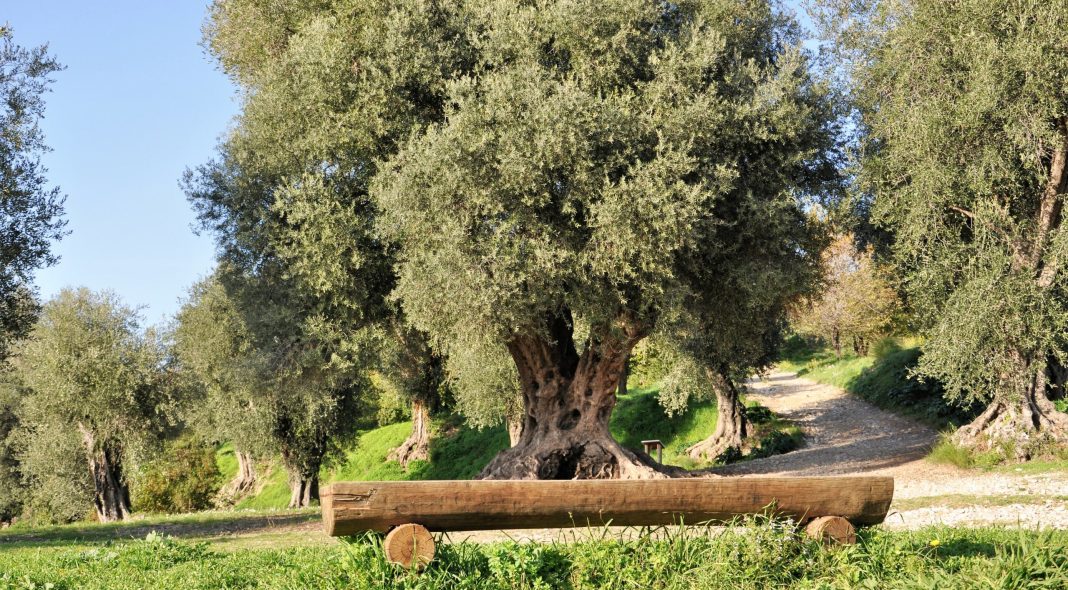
758,554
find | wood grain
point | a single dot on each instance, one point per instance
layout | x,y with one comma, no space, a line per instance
409,546
351,507
832,530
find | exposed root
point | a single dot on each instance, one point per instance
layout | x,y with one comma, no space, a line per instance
591,459
1021,431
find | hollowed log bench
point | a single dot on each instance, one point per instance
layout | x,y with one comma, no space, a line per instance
831,506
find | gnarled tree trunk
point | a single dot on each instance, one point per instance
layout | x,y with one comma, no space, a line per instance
1024,424
303,479
731,425
624,376
303,489
515,430
567,402
245,479
111,495
243,482
417,446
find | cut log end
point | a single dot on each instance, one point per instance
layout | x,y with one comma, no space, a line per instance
410,546
832,530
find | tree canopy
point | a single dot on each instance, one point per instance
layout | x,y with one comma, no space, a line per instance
30,210
963,107
523,170
96,388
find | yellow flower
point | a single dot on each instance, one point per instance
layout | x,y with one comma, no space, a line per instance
935,543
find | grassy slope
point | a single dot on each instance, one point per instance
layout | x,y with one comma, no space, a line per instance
884,381
756,556
465,451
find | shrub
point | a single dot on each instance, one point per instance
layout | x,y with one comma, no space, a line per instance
184,478
885,347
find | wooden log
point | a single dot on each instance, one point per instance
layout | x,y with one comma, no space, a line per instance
351,507
833,530
409,546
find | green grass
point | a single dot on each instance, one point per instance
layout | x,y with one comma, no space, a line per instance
760,555
968,500
639,416
948,452
226,461
206,523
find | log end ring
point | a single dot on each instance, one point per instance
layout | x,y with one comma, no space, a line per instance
832,530
410,546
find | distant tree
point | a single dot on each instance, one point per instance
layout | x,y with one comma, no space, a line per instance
94,374
12,491
283,386
963,116
857,302
214,354
733,330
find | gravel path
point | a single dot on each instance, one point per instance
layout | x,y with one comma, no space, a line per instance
845,434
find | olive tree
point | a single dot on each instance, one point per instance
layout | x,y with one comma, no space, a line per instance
599,169
94,374
549,178
963,116
213,349
30,210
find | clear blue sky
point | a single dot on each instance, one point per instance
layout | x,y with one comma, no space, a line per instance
138,103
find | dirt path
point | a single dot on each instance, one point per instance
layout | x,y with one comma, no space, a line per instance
845,434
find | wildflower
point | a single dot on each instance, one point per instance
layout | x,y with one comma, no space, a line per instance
935,543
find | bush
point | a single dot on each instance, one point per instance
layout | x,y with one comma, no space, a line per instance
184,478
885,347
890,384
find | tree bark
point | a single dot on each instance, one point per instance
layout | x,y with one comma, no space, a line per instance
515,430
836,342
624,376
731,425
417,446
1022,423
111,495
567,401
243,482
245,479
303,480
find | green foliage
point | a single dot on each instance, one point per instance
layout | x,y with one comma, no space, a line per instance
892,383
888,381
267,381
961,108
569,174
494,164
884,347
55,480
30,211
648,364
755,555
95,386
183,478
11,488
